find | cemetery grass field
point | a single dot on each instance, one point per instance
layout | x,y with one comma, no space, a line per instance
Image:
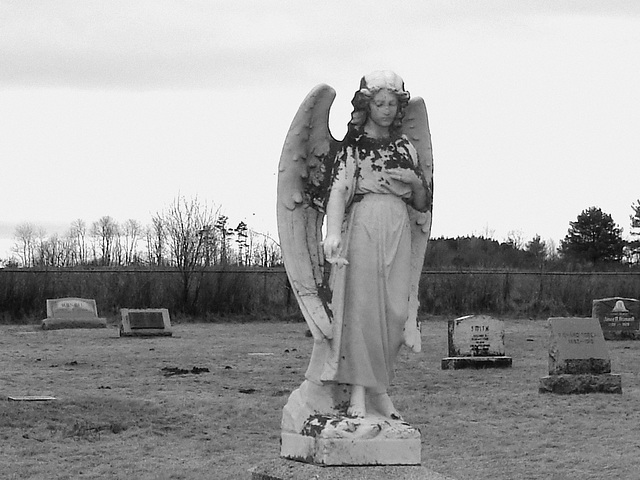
118,414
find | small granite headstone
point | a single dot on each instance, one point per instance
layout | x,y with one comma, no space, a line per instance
72,313
476,341
619,317
147,322
578,359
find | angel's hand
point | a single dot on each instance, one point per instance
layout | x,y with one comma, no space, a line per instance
405,175
331,247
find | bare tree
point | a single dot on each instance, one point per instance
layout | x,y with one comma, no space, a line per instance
515,238
131,230
184,223
104,232
156,240
266,250
633,246
25,243
78,232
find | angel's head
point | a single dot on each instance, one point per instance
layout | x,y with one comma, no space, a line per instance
372,84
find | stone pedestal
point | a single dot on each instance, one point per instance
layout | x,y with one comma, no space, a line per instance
476,341
455,363
334,438
582,383
281,469
342,440
578,359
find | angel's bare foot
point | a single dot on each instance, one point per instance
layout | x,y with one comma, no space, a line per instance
385,406
356,404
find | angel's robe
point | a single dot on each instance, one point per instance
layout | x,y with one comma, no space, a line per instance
370,302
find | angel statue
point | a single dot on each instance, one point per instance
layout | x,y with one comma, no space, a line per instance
357,288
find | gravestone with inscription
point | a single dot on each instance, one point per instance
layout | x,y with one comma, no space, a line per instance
476,341
146,322
578,359
619,317
72,312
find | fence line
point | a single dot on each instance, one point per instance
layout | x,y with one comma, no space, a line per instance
281,270
265,292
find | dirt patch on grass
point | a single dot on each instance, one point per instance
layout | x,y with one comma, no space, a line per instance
119,415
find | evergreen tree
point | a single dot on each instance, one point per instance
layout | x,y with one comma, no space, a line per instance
593,238
537,249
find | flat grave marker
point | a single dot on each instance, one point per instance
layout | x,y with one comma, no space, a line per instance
72,312
476,341
30,398
578,358
145,322
619,317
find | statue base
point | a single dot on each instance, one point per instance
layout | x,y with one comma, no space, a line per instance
316,429
342,440
581,383
281,469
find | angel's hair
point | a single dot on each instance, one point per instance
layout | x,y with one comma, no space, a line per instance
369,86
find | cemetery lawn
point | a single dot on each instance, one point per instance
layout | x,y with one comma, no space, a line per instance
118,414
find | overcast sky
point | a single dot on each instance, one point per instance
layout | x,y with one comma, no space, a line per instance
116,107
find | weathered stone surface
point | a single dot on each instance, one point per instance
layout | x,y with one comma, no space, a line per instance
145,322
476,336
457,363
577,346
72,312
619,317
333,438
328,451
71,307
586,383
282,469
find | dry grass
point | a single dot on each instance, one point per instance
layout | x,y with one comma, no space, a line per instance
118,416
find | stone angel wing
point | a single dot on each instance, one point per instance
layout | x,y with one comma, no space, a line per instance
415,126
304,177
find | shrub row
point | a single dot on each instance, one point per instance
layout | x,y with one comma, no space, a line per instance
265,293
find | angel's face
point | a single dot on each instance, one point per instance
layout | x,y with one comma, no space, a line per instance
383,108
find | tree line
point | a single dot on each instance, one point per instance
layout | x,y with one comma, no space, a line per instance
186,234
190,235
593,242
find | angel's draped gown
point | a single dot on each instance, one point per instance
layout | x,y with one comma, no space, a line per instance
371,294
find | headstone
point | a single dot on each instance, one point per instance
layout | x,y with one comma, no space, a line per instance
147,322
476,341
619,317
578,359
72,312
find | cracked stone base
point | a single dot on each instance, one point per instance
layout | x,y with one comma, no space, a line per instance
456,363
344,451
583,383
63,323
621,335
337,439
